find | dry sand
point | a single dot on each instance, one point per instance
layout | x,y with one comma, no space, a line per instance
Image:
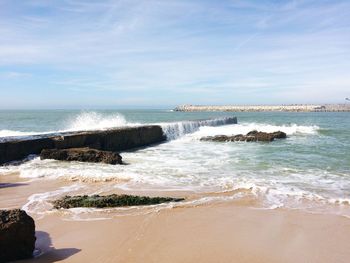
221,232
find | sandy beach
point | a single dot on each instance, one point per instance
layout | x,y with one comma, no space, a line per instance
215,232
175,131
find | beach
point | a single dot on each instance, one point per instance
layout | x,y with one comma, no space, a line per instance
281,201
175,131
217,232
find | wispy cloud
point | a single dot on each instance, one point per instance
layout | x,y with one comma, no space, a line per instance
176,50
14,75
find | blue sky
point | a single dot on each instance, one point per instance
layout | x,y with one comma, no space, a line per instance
159,53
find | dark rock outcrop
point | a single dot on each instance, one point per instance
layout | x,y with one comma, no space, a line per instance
118,139
279,135
252,136
81,155
17,235
266,136
112,200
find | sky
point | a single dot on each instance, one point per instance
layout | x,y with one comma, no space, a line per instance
163,53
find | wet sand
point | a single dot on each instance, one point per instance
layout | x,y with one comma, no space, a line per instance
220,232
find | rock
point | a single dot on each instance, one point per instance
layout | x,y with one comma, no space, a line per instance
17,235
279,135
81,155
251,136
118,139
261,136
112,200
266,136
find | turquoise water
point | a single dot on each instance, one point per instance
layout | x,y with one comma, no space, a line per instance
311,168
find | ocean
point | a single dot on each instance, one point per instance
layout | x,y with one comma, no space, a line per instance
310,170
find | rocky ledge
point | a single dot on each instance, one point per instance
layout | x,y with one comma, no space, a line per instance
82,155
115,140
112,200
17,235
252,136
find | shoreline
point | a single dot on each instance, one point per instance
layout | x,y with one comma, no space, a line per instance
208,232
227,220
267,108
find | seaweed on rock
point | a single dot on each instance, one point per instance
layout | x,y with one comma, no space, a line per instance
112,200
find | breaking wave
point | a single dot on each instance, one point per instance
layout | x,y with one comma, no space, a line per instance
177,129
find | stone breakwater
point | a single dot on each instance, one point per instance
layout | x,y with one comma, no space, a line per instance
107,140
113,140
262,108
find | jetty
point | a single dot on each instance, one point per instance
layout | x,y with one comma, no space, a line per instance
107,140
266,108
115,140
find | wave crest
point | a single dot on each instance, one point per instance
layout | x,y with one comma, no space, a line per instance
175,130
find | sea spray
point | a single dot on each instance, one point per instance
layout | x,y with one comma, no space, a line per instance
177,129
84,121
90,120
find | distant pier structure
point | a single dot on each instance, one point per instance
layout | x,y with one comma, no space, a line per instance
345,107
321,108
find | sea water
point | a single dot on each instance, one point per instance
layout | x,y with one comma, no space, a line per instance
308,170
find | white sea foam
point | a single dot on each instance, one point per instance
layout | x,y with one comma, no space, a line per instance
169,167
40,203
72,171
244,128
175,130
6,133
